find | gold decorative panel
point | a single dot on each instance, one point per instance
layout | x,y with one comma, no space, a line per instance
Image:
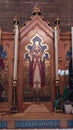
36,75
3,75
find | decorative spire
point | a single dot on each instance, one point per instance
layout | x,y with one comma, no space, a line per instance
30,18
42,18
36,10
48,23
57,21
16,20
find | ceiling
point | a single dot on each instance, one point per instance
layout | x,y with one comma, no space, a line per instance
50,9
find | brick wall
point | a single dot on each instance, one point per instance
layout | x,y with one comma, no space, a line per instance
50,9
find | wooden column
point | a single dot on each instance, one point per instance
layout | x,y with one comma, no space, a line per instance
72,46
0,34
71,80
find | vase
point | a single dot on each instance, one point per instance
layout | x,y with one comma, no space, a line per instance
68,108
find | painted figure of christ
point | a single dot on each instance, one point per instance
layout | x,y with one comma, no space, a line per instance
36,55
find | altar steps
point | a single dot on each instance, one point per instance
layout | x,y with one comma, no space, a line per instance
38,112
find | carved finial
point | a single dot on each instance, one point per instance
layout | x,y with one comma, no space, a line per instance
48,23
30,18
42,18
36,10
16,20
57,21
25,23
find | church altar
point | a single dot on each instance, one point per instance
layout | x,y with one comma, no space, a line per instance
36,73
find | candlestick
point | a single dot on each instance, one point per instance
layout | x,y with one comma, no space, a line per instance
15,52
56,53
14,90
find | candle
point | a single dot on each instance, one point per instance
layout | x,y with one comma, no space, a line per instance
72,46
15,52
56,53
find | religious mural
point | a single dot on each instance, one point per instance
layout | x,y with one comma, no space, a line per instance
37,70
3,75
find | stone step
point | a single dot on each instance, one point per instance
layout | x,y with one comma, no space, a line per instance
36,108
38,111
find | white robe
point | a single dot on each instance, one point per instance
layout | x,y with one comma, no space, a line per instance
36,76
